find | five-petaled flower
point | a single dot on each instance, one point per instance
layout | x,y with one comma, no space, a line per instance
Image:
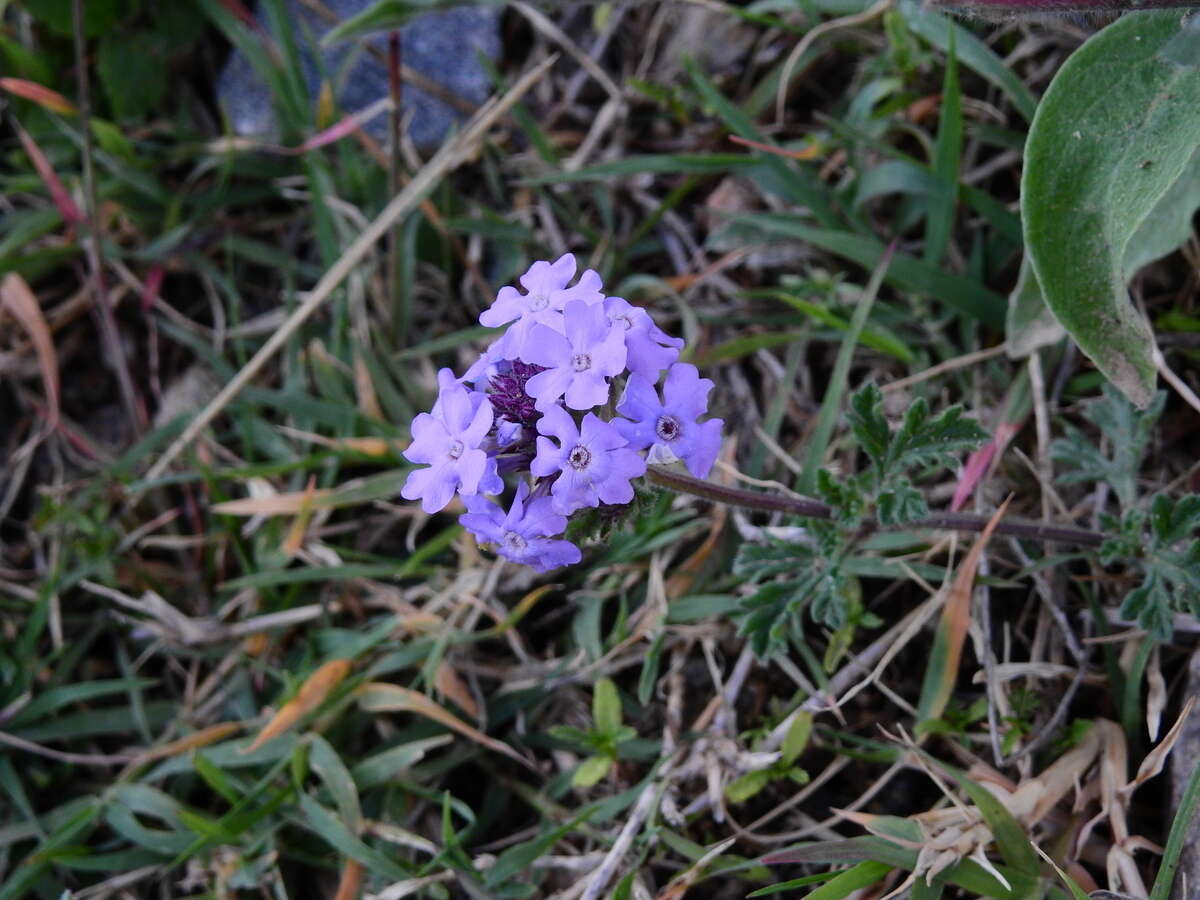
593,462
669,427
448,441
525,533
579,363
533,409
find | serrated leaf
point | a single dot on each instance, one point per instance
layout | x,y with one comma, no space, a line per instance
775,557
903,503
868,423
922,440
1128,430
1174,520
1113,133
1150,604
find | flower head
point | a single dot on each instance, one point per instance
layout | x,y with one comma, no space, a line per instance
524,534
593,463
448,439
669,427
548,294
649,349
579,362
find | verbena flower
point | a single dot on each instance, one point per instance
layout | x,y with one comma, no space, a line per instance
525,533
593,463
534,407
669,427
649,349
579,363
548,294
448,440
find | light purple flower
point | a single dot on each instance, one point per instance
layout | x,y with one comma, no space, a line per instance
669,427
650,349
548,294
593,463
524,534
448,440
578,362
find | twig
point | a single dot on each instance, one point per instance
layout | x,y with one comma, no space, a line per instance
449,157
82,759
641,811
949,365
815,509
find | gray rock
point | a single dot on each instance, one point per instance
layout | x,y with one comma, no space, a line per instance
443,46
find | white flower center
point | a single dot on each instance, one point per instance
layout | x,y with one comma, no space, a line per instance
579,458
581,362
456,449
538,302
514,541
667,428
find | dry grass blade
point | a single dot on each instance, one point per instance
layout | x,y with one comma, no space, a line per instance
19,301
378,696
447,680
350,884
952,630
312,694
452,154
678,886
201,738
1153,764
42,96
67,207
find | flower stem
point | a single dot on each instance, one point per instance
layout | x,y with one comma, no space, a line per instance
815,509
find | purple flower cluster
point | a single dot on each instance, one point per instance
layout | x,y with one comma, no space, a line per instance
538,402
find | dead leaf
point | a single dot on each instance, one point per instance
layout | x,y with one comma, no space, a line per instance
449,683
379,696
350,884
312,694
18,299
295,536
201,738
274,505
956,617
368,402
1156,694
1157,758
62,198
39,94
679,885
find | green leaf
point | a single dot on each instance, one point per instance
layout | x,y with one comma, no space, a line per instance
133,70
1174,520
590,771
902,503
384,15
868,423
746,786
1030,324
797,737
606,707
922,440
1128,430
1150,604
1185,818
1114,132
831,403
947,151
856,878
1169,224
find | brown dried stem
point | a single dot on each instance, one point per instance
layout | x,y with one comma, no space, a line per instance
815,509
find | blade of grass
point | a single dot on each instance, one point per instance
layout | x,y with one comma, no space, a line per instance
832,401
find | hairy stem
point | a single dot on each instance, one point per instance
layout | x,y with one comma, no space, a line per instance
815,509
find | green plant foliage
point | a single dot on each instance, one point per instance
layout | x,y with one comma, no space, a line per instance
813,575
1114,132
